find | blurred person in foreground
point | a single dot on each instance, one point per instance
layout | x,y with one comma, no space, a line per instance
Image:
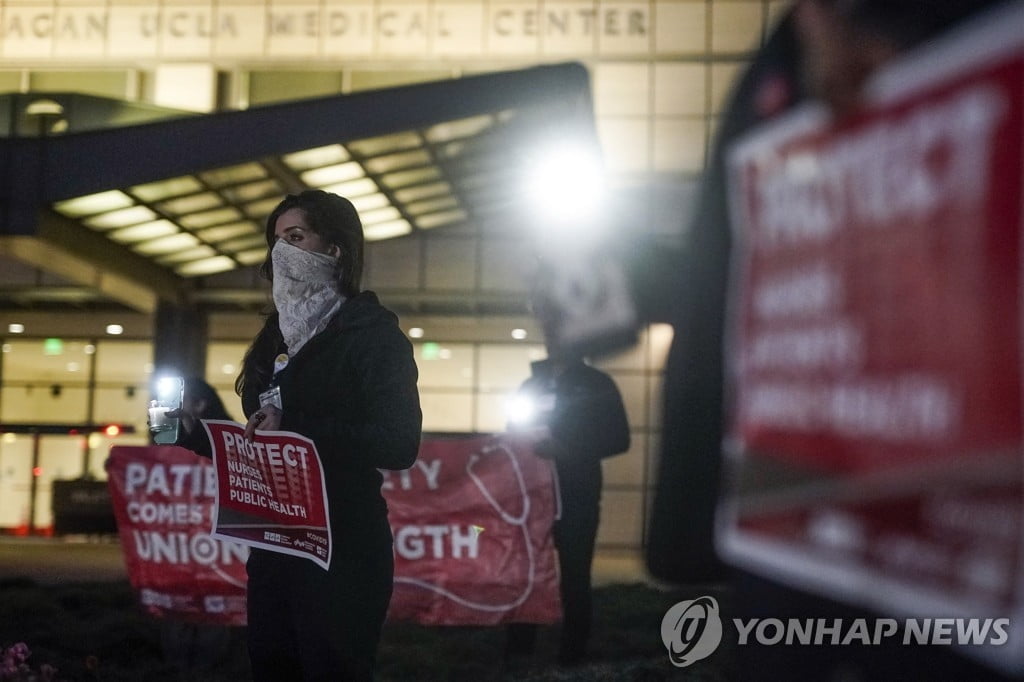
331,364
576,413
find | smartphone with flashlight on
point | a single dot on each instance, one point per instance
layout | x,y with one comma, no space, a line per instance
168,393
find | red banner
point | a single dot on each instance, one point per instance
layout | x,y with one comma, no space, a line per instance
270,491
472,523
163,498
877,348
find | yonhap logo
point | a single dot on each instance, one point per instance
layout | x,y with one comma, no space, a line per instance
691,630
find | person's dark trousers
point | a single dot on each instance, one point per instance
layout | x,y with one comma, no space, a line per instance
309,624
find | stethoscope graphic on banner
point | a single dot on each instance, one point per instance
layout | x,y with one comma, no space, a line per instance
518,520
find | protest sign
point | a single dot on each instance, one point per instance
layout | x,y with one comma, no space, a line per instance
472,523
270,491
876,345
163,501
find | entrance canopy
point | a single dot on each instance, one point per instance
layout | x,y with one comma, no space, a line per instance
121,204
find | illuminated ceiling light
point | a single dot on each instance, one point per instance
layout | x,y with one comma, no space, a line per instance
206,267
137,233
16,328
316,157
227,369
174,242
394,228
441,218
9,438
213,235
445,354
121,218
566,184
187,255
89,349
251,257
234,175
6,348
192,203
217,216
411,177
262,208
74,367
433,189
435,204
328,175
93,203
115,329
519,334
465,127
372,146
416,333
369,202
390,162
379,215
174,187
252,191
353,188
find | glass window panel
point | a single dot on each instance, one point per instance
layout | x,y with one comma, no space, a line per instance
625,143
679,145
93,204
633,388
447,411
723,75
167,244
121,218
410,194
621,89
505,366
384,164
155,191
316,157
37,404
627,468
681,26
735,26
373,146
368,80
137,233
621,518
210,218
124,362
223,362
445,365
234,175
353,188
491,415
411,177
252,191
103,83
453,130
10,81
680,89
120,405
328,175
206,267
213,235
16,481
33,360
191,204
281,85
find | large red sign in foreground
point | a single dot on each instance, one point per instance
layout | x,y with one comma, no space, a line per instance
472,523
877,420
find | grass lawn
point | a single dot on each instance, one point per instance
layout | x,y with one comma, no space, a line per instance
96,632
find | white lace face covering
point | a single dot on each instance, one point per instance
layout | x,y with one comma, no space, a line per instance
305,291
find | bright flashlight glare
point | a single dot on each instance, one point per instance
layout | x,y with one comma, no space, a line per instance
166,387
520,409
567,184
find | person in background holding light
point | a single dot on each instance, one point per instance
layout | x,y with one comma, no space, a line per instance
578,415
330,364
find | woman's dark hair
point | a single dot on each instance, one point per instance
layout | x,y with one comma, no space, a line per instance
334,219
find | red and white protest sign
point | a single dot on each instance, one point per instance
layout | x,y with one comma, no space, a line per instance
876,352
472,523
163,500
270,491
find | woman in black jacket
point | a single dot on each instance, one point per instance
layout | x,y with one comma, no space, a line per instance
331,364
